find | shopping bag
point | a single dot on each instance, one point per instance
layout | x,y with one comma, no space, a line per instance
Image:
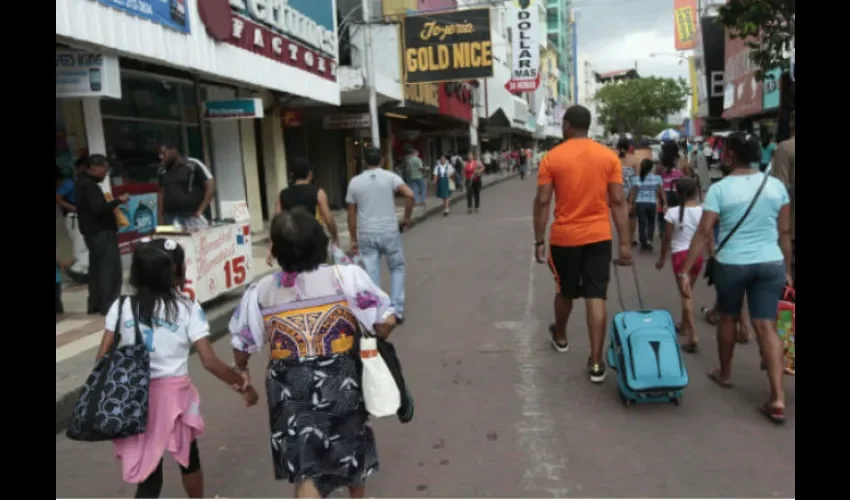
380,391
114,401
452,186
786,326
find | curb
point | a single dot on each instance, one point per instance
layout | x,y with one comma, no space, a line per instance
218,322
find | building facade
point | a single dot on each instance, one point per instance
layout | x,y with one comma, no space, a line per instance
560,29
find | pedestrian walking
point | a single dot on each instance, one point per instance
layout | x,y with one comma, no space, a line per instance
66,200
487,159
629,164
302,193
170,324
99,227
682,222
373,224
646,194
444,178
186,188
585,178
784,170
768,149
753,258
472,172
670,175
416,176
320,437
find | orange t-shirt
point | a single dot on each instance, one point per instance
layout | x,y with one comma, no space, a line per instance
580,171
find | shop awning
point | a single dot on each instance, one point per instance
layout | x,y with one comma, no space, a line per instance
499,119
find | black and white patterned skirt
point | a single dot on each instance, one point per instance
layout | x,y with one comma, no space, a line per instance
319,427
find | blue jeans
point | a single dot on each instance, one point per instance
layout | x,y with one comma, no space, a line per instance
762,283
372,247
419,190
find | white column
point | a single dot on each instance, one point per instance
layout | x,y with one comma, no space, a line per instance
274,156
249,170
226,150
369,63
95,139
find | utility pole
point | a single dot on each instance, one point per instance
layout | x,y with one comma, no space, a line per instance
369,66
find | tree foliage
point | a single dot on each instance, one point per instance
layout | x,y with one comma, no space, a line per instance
634,105
766,25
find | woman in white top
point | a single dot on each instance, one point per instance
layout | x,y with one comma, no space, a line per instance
682,223
170,324
443,176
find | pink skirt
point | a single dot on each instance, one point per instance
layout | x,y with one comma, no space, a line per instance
174,421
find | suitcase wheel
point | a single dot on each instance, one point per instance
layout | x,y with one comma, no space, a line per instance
626,401
675,401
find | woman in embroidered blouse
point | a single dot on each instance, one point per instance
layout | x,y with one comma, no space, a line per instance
309,315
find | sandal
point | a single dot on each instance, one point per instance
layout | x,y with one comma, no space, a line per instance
709,316
691,347
555,344
714,375
772,413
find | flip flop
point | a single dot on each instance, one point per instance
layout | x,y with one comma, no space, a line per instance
775,415
714,375
555,344
709,318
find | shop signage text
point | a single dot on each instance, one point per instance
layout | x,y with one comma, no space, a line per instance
771,92
685,24
448,46
169,13
526,47
87,74
425,94
233,109
347,121
740,75
277,30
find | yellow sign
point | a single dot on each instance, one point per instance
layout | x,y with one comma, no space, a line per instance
694,77
685,19
427,94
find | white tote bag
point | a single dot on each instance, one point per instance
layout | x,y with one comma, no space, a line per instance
380,392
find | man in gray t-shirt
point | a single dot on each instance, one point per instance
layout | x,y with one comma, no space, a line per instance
373,226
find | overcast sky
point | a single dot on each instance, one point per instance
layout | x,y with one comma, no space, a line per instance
614,34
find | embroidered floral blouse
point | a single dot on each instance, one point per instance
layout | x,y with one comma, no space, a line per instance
270,312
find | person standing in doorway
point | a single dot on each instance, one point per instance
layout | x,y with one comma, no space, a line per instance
186,188
472,173
66,200
100,230
585,179
415,176
374,227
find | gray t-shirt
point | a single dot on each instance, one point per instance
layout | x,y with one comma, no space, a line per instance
373,191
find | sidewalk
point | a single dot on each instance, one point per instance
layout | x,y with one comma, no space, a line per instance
78,334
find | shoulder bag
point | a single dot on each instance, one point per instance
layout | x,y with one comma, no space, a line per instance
709,265
384,390
113,403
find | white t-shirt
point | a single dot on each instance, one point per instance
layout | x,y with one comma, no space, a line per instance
441,170
487,157
168,343
683,233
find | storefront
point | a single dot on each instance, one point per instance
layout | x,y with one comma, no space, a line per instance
222,54
203,75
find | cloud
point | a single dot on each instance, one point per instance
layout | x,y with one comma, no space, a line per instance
623,51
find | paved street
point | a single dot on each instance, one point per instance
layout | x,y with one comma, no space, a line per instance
498,413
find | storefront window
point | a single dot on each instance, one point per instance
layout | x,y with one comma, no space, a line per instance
133,148
148,98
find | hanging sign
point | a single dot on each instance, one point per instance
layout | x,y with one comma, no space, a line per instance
525,28
233,109
447,46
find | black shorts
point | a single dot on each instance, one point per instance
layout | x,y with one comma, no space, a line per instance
582,271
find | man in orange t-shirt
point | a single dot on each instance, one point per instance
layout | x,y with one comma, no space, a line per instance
585,178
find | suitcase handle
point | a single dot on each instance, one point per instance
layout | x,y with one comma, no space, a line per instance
620,288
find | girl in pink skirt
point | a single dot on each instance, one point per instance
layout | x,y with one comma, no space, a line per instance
170,324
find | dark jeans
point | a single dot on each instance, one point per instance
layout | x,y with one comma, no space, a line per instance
646,222
105,275
473,193
662,224
761,283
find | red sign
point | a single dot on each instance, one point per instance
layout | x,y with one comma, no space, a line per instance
292,118
455,100
517,86
743,95
227,25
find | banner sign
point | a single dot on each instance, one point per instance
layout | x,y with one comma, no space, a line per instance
169,13
685,22
525,27
233,109
139,214
87,74
449,46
